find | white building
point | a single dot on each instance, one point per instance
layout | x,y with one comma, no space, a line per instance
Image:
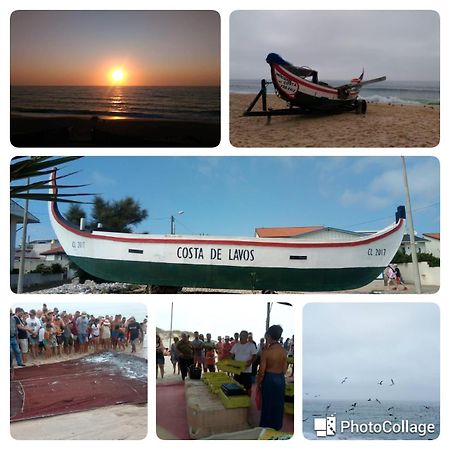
433,244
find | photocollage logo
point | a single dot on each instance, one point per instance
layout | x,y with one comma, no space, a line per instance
326,426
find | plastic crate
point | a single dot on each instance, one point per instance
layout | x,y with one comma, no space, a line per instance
231,366
289,389
235,401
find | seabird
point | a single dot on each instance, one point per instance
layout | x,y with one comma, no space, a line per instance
369,400
378,401
328,406
304,420
392,382
426,407
351,409
380,383
354,404
343,381
317,395
391,407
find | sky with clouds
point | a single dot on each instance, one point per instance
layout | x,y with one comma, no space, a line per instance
370,342
404,45
232,196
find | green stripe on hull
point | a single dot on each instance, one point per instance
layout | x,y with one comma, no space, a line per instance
228,277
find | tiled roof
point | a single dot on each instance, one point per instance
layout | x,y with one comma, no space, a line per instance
285,231
433,235
54,251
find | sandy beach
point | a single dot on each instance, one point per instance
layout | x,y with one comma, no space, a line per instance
384,125
112,422
41,131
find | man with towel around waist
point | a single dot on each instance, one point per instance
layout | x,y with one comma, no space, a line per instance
270,380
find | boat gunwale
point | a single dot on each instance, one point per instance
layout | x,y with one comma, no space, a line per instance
309,84
257,242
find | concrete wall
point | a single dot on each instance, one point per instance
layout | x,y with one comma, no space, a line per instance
33,279
429,276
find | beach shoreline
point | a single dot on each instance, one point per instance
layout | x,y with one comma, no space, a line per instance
384,125
95,131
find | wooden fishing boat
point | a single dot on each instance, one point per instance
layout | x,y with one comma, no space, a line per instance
301,89
228,262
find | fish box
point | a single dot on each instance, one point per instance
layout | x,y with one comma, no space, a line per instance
206,414
231,366
235,401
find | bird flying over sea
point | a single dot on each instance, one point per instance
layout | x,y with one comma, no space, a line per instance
380,382
354,405
344,380
328,406
392,382
378,401
369,399
304,420
390,408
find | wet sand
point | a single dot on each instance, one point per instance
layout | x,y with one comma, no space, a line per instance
384,125
27,131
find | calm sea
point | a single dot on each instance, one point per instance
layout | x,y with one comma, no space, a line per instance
403,92
364,412
199,104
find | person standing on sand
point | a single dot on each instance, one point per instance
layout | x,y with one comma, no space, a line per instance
174,355
33,336
105,333
243,350
135,333
270,380
82,326
160,361
185,354
198,345
13,344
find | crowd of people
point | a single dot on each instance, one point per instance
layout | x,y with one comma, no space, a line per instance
266,364
45,333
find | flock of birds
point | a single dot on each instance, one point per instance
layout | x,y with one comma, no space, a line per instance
351,409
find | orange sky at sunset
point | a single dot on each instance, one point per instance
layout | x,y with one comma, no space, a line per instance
153,48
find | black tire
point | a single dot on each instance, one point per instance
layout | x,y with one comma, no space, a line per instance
363,106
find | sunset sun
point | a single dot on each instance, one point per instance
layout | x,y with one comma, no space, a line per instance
117,75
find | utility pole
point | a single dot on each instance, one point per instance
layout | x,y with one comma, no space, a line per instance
23,245
415,261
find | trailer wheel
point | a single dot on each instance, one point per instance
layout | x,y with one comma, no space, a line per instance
361,107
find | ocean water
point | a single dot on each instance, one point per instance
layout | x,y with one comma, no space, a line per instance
401,92
198,104
365,412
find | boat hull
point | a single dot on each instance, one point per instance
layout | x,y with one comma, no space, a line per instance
228,277
310,96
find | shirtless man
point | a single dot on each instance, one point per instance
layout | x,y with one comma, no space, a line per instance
270,380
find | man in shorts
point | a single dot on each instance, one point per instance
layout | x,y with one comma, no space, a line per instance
134,328
34,324
82,328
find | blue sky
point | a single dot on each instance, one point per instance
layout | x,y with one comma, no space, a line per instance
234,195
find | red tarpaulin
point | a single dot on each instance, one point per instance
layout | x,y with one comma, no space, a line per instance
78,385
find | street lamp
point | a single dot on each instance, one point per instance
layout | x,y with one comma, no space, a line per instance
172,222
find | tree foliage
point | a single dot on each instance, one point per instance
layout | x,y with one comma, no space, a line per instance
402,258
117,215
30,178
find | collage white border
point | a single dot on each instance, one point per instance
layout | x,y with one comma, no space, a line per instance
225,8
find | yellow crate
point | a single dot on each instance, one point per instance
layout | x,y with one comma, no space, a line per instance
231,365
234,401
269,434
289,389
289,408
